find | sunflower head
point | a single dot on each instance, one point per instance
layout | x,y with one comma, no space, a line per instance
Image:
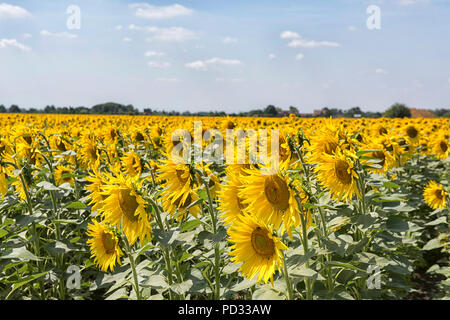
435,195
104,246
255,245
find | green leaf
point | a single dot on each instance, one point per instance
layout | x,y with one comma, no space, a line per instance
28,279
183,287
47,186
396,224
19,253
433,244
267,293
432,223
3,233
76,205
343,265
390,184
189,225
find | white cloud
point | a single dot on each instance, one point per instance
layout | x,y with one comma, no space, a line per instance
169,80
155,64
26,36
311,43
119,27
203,65
58,34
5,43
297,41
126,39
272,56
299,56
381,71
229,40
352,28
411,2
144,10
154,54
10,11
289,35
166,34
230,80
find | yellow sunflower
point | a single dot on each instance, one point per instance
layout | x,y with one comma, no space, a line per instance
182,205
3,182
441,148
255,246
104,246
132,164
337,174
270,198
63,175
434,195
125,208
230,203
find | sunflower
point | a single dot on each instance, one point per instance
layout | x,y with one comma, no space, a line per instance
182,205
132,164
3,182
337,174
270,198
441,148
230,203
434,195
125,208
177,179
63,175
97,181
104,246
256,247
89,153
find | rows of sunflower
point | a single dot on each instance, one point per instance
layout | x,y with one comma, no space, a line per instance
95,207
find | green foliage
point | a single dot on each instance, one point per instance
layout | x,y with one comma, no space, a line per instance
398,110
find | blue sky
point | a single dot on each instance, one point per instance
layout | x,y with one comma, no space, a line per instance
225,55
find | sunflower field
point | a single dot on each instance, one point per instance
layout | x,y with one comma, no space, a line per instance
94,207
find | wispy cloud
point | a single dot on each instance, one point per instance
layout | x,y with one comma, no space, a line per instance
381,71
169,80
352,28
230,80
154,54
26,35
5,43
126,39
299,56
144,10
289,35
297,41
411,2
58,34
166,34
14,12
229,40
119,27
272,56
203,64
161,65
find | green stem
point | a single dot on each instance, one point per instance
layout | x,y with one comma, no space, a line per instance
133,269
287,279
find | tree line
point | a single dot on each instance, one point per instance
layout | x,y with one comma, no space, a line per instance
397,110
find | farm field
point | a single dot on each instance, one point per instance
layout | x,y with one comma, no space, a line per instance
98,207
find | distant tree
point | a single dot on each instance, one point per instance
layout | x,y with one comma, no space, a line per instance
398,110
441,112
447,114
352,111
293,110
2,109
270,111
14,109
